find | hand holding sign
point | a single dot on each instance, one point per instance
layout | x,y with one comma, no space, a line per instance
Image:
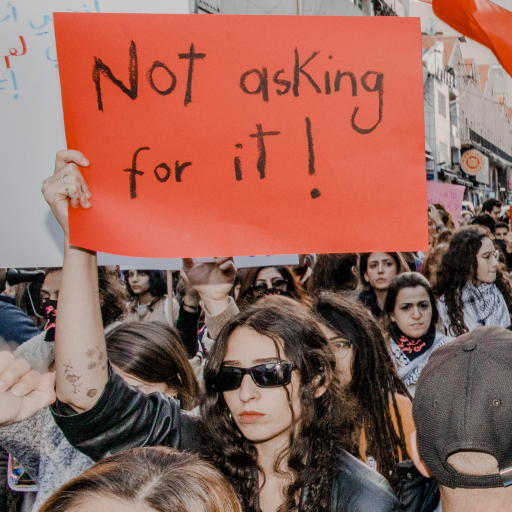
59,194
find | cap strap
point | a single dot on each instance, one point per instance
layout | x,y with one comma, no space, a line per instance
506,476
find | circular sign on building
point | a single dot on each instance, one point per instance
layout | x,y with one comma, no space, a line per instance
472,162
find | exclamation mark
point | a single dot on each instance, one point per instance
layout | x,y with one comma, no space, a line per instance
315,192
238,165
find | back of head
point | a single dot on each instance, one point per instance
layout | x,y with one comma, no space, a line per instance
485,220
462,406
459,263
432,263
334,272
154,353
161,479
445,216
487,206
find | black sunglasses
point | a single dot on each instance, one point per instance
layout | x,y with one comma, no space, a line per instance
278,284
270,375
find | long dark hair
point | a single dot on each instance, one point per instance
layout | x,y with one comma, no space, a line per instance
333,272
155,478
324,423
154,353
157,287
157,282
406,280
248,295
374,379
401,266
459,267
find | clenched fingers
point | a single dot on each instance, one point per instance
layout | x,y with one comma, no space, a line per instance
12,373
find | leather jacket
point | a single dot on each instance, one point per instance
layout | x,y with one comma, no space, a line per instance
415,492
125,418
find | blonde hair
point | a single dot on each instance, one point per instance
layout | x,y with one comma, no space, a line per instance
163,479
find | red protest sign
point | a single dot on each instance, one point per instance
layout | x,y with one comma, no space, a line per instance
221,135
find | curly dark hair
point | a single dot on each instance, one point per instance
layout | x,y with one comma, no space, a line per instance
374,379
432,263
334,272
248,295
459,267
325,424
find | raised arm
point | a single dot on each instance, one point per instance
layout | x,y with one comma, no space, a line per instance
213,281
80,351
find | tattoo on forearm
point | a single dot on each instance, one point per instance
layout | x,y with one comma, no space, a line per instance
71,377
91,353
91,393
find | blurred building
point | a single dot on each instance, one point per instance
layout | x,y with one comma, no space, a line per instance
466,99
306,7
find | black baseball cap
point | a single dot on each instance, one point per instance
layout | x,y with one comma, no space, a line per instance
463,402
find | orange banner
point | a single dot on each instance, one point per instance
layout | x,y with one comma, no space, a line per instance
238,135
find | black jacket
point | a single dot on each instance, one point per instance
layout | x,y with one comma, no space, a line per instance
124,418
415,492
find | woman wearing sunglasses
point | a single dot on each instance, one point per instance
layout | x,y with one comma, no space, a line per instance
273,418
385,420
257,282
471,288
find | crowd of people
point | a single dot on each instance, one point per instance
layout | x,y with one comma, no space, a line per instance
350,382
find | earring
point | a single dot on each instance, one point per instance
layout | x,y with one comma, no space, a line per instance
229,415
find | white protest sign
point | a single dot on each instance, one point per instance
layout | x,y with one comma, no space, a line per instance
32,127
127,263
266,261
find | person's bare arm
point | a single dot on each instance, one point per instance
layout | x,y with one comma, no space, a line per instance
80,350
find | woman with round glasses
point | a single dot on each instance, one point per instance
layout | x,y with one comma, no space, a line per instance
273,418
385,420
410,319
471,288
